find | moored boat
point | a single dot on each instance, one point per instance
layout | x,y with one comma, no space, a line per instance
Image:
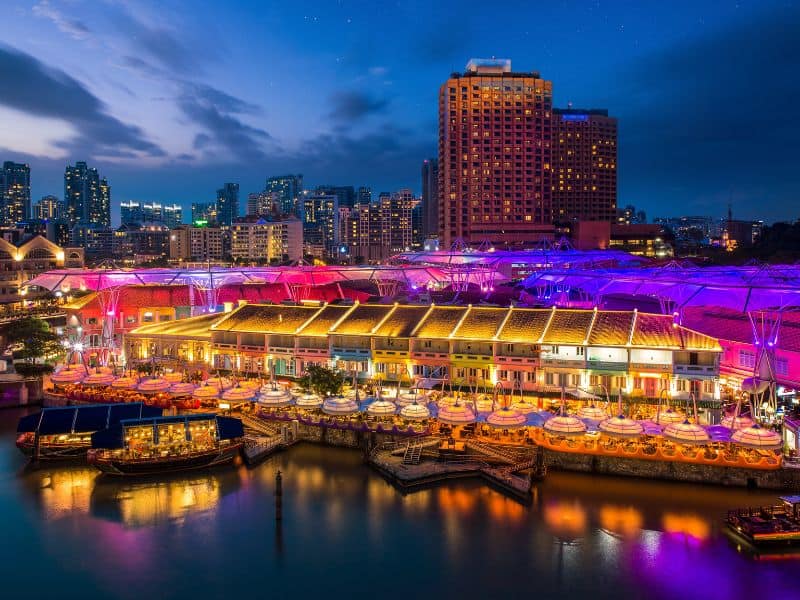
166,444
768,525
65,432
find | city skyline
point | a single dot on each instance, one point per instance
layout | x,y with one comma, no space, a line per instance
167,120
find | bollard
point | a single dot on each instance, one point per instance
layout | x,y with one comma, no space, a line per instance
278,496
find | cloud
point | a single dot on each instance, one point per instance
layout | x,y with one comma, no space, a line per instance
46,92
72,27
353,105
217,113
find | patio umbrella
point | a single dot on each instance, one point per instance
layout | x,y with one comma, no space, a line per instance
415,412
506,418
686,433
339,406
757,437
381,408
456,414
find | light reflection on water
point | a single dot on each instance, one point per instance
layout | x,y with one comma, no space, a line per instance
345,530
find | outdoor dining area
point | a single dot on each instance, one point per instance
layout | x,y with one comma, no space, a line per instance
586,426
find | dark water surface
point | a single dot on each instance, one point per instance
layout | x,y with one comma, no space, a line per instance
68,533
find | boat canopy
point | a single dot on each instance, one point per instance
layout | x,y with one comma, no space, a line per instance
114,437
85,418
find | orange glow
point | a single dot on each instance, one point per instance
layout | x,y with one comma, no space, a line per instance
504,509
458,501
687,524
624,520
566,519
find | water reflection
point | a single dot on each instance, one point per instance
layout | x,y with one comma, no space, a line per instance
344,525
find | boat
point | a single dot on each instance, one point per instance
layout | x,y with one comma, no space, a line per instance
65,432
768,525
151,446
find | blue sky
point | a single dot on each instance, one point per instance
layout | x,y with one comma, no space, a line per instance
171,99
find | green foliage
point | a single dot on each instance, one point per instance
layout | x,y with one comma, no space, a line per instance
322,380
32,339
32,369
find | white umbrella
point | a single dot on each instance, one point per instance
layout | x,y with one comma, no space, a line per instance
381,408
415,412
339,406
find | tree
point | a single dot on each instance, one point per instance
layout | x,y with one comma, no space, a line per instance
322,380
31,340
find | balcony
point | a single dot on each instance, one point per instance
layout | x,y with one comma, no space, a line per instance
696,370
652,367
573,363
606,365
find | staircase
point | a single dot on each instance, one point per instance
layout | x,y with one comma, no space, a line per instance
412,453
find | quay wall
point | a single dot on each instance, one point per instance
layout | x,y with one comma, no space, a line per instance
783,479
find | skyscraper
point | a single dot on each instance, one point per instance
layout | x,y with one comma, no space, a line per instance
15,192
321,223
286,190
130,211
364,195
584,183
494,156
430,197
262,204
204,212
87,196
227,203
345,193
48,208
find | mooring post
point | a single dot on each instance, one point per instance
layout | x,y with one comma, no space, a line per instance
278,496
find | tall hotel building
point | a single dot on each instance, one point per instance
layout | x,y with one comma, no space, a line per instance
495,156
584,184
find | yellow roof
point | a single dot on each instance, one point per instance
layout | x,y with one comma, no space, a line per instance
195,327
524,325
568,327
611,328
440,321
80,303
363,319
325,320
402,321
481,323
267,318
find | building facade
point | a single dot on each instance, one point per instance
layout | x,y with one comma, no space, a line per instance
87,196
639,355
204,213
584,183
227,203
286,190
430,198
495,135
15,193
188,243
267,242
320,224
48,208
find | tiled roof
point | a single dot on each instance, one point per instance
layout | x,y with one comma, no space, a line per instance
655,331
326,319
197,327
402,321
363,318
481,323
611,328
267,318
440,322
568,327
524,325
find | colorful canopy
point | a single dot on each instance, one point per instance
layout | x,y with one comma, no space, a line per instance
415,412
125,383
486,403
238,394
275,397
339,405
381,408
524,406
740,422
68,375
592,412
406,398
686,433
456,414
447,401
565,425
621,426
182,389
219,382
101,378
506,418
174,377
308,401
153,385
206,392
665,417
757,437
249,383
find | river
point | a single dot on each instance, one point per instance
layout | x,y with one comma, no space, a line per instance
70,533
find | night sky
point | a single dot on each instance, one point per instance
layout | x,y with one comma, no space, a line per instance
171,99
